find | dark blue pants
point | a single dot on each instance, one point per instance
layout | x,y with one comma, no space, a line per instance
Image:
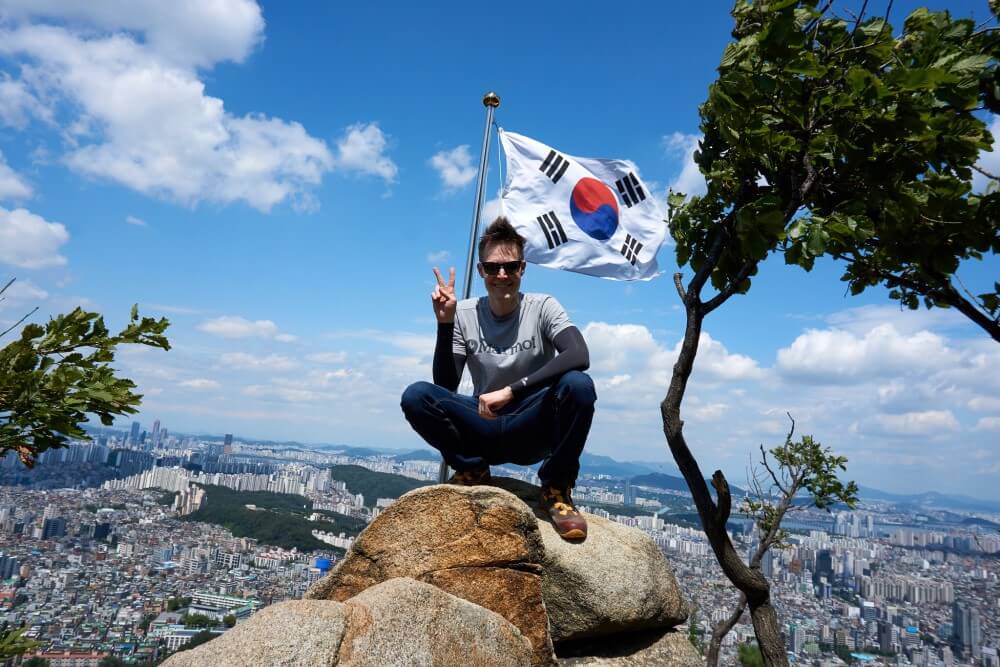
550,424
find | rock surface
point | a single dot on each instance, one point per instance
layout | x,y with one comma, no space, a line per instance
652,648
479,543
616,580
398,622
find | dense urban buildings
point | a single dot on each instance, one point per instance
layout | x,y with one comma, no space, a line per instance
111,562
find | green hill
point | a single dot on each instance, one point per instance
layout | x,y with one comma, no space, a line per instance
280,519
374,485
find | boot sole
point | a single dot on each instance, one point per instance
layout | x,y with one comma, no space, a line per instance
575,534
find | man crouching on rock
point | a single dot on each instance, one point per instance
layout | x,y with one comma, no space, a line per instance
531,399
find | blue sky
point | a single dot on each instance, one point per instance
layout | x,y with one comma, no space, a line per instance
279,179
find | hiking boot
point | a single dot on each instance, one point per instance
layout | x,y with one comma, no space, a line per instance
568,521
472,477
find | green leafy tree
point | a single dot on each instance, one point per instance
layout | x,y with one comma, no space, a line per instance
14,643
229,620
200,621
802,469
750,656
828,137
35,661
53,376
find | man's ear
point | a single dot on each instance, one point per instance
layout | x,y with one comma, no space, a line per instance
479,268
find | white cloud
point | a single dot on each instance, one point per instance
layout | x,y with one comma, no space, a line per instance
132,220
988,424
200,384
989,160
709,412
137,112
984,404
683,146
926,423
21,293
229,326
437,257
186,32
242,360
832,356
286,338
28,241
327,357
362,148
491,210
454,167
18,105
12,186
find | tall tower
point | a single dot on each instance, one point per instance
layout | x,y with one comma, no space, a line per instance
134,434
228,446
156,433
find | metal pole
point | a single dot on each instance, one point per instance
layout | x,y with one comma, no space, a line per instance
491,101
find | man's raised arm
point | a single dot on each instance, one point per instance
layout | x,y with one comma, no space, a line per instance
447,367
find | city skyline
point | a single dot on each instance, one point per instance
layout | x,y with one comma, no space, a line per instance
274,198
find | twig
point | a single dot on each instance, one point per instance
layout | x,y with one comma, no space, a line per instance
986,173
14,326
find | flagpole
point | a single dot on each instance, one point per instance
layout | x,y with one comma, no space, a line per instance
491,101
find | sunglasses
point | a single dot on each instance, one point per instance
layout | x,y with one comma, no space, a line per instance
493,268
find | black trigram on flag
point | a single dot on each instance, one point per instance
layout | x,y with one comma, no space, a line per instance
554,166
630,249
630,190
552,229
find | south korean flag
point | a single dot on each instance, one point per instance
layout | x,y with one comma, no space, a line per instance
586,215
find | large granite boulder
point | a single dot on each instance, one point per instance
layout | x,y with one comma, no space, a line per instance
617,580
479,543
492,546
398,622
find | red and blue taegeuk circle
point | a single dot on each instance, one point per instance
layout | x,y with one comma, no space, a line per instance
594,208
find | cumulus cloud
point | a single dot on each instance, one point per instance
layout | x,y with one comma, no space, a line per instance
926,423
200,384
683,146
362,149
22,293
831,356
243,360
132,220
12,186
135,110
187,32
988,424
229,326
28,241
327,357
454,167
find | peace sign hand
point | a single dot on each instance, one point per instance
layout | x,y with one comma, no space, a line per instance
443,297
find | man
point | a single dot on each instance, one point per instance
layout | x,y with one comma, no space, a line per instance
531,401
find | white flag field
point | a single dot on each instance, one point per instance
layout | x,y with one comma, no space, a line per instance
587,215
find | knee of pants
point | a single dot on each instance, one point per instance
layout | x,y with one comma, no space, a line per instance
577,387
412,401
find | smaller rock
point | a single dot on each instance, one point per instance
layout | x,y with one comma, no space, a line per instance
652,648
298,633
406,622
398,622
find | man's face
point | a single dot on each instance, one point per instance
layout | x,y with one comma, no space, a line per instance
503,287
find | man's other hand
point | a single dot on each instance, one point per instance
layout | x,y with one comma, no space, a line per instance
443,297
491,403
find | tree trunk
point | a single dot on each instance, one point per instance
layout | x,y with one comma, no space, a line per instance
765,626
722,629
714,515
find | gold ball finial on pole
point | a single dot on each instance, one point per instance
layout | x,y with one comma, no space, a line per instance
491,99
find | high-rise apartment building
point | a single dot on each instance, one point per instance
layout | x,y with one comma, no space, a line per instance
133,436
